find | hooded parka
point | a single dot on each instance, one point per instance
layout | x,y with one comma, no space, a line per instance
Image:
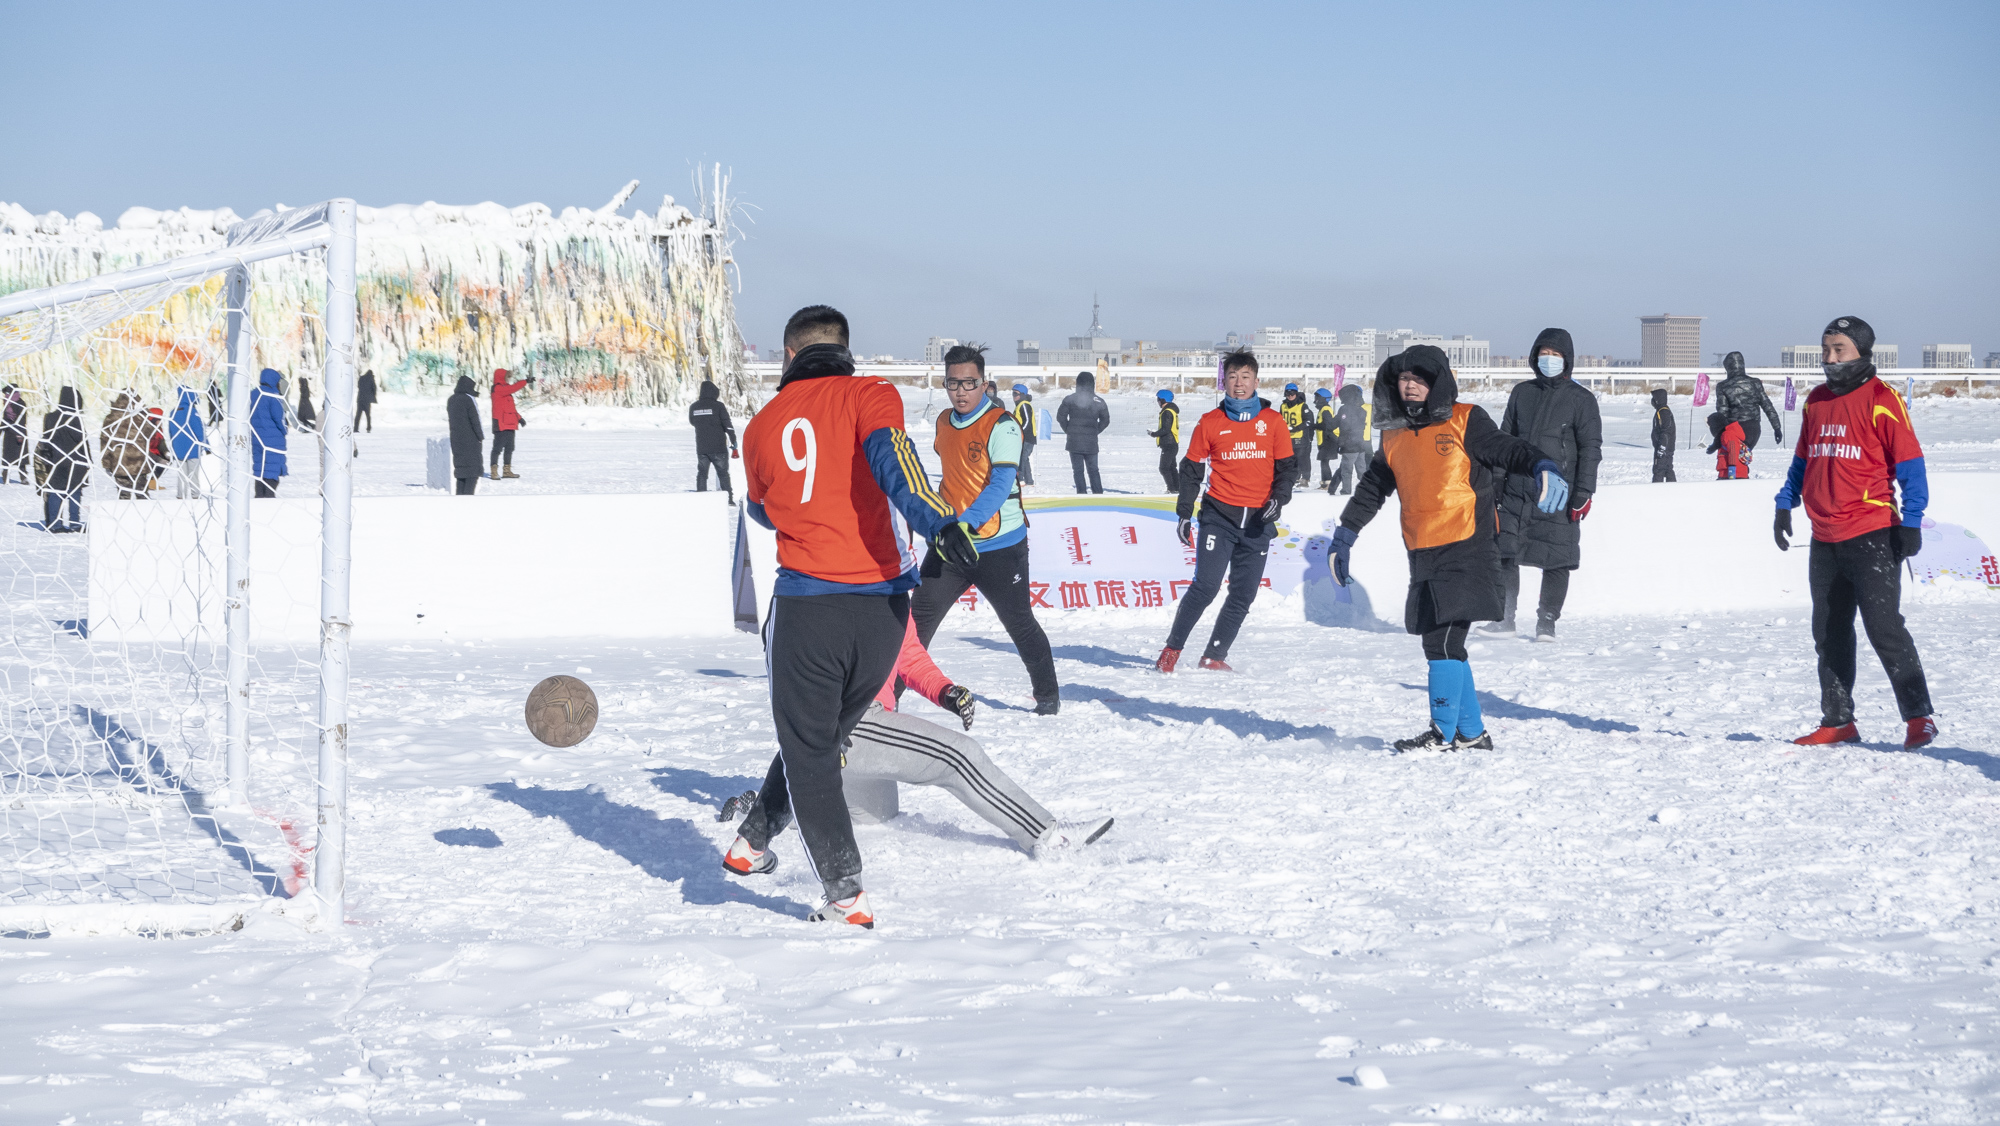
714,432
1449,488
468,437
267,426
1558,416
186,436
1739,398
63,461
1083,416
123,442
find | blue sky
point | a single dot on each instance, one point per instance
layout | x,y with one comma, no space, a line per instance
979,171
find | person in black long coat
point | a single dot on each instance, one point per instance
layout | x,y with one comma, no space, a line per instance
64,462
364,400
1446,460
468,438
1556,414
1083,416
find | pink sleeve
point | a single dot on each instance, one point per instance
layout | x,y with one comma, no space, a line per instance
918,671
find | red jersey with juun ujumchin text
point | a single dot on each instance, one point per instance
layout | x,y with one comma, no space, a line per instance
1242,457
1853,450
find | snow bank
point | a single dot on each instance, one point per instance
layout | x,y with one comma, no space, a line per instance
425,567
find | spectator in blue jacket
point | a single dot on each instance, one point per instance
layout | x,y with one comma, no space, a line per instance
267,432
187,440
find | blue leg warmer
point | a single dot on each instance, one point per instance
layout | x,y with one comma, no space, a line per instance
1470,722
1447,685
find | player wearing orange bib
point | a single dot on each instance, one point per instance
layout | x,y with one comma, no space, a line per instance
979,444
829,468
1448,461
1248,451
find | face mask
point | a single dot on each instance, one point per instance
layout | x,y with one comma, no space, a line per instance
1551,366
1847,375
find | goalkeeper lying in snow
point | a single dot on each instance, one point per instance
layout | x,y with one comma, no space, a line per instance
890,745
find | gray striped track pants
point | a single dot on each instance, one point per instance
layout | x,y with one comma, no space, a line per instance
902,748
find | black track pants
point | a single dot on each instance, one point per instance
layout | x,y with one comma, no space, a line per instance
1326,461
1221,547
1555,591
1170,467
1663,468
1003,578
1082,465
827,656
1862,574
1443,641
1026,472
1352,465
503,446
721,464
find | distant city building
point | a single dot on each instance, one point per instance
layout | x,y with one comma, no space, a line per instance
1670,341
1993,359
1947,356
1307,348
1887,356
1799,356
938,346
1465,352
1027,353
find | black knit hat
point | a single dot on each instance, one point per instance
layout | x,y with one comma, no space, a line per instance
1855,329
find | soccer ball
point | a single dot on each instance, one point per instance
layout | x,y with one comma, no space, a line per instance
562,711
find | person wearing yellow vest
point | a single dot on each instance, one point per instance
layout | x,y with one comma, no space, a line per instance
1024,417
1298,415
1168,437
979,443
1448,461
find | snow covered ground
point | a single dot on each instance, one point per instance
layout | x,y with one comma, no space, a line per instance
1644,906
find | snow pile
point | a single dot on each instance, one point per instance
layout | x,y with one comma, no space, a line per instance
602,307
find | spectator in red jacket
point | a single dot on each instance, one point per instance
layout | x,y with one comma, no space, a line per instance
506,420
1731,448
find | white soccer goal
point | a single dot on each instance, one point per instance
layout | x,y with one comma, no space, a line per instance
166,738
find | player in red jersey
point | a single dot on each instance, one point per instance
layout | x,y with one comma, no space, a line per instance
830,469
1856,447
1251,465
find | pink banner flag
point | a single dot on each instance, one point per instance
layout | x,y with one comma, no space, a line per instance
1791,394
1339,378
1701,390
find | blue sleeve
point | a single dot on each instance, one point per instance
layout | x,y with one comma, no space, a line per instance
893,461
756,511
991,497
1916,491
1795,481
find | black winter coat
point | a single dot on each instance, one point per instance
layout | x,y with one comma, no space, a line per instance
467,435
64,456
1082,417
1665,431
1167,437
714,433
364,391
1739,398
1352,419
1461,580
1560,417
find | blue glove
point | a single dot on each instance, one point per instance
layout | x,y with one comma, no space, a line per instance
1554,491
1343,546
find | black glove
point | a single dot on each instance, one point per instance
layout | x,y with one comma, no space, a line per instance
1271,509
959,699
955,544
531,381
1782,529
1186,530
1906,541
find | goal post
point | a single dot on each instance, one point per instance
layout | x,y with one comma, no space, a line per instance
116,788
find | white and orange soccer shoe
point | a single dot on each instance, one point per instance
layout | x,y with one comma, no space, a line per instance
742,860
854,909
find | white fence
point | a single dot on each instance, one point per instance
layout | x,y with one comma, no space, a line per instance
1606,381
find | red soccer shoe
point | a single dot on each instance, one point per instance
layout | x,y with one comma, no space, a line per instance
1168,658
1921,732
1213,665
1825,736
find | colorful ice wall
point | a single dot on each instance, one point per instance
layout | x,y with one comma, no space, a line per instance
601,307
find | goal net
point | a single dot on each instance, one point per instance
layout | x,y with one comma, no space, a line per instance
177,440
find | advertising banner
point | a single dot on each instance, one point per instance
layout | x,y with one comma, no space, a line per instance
1122,553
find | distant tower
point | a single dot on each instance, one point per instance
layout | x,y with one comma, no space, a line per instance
1096,328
